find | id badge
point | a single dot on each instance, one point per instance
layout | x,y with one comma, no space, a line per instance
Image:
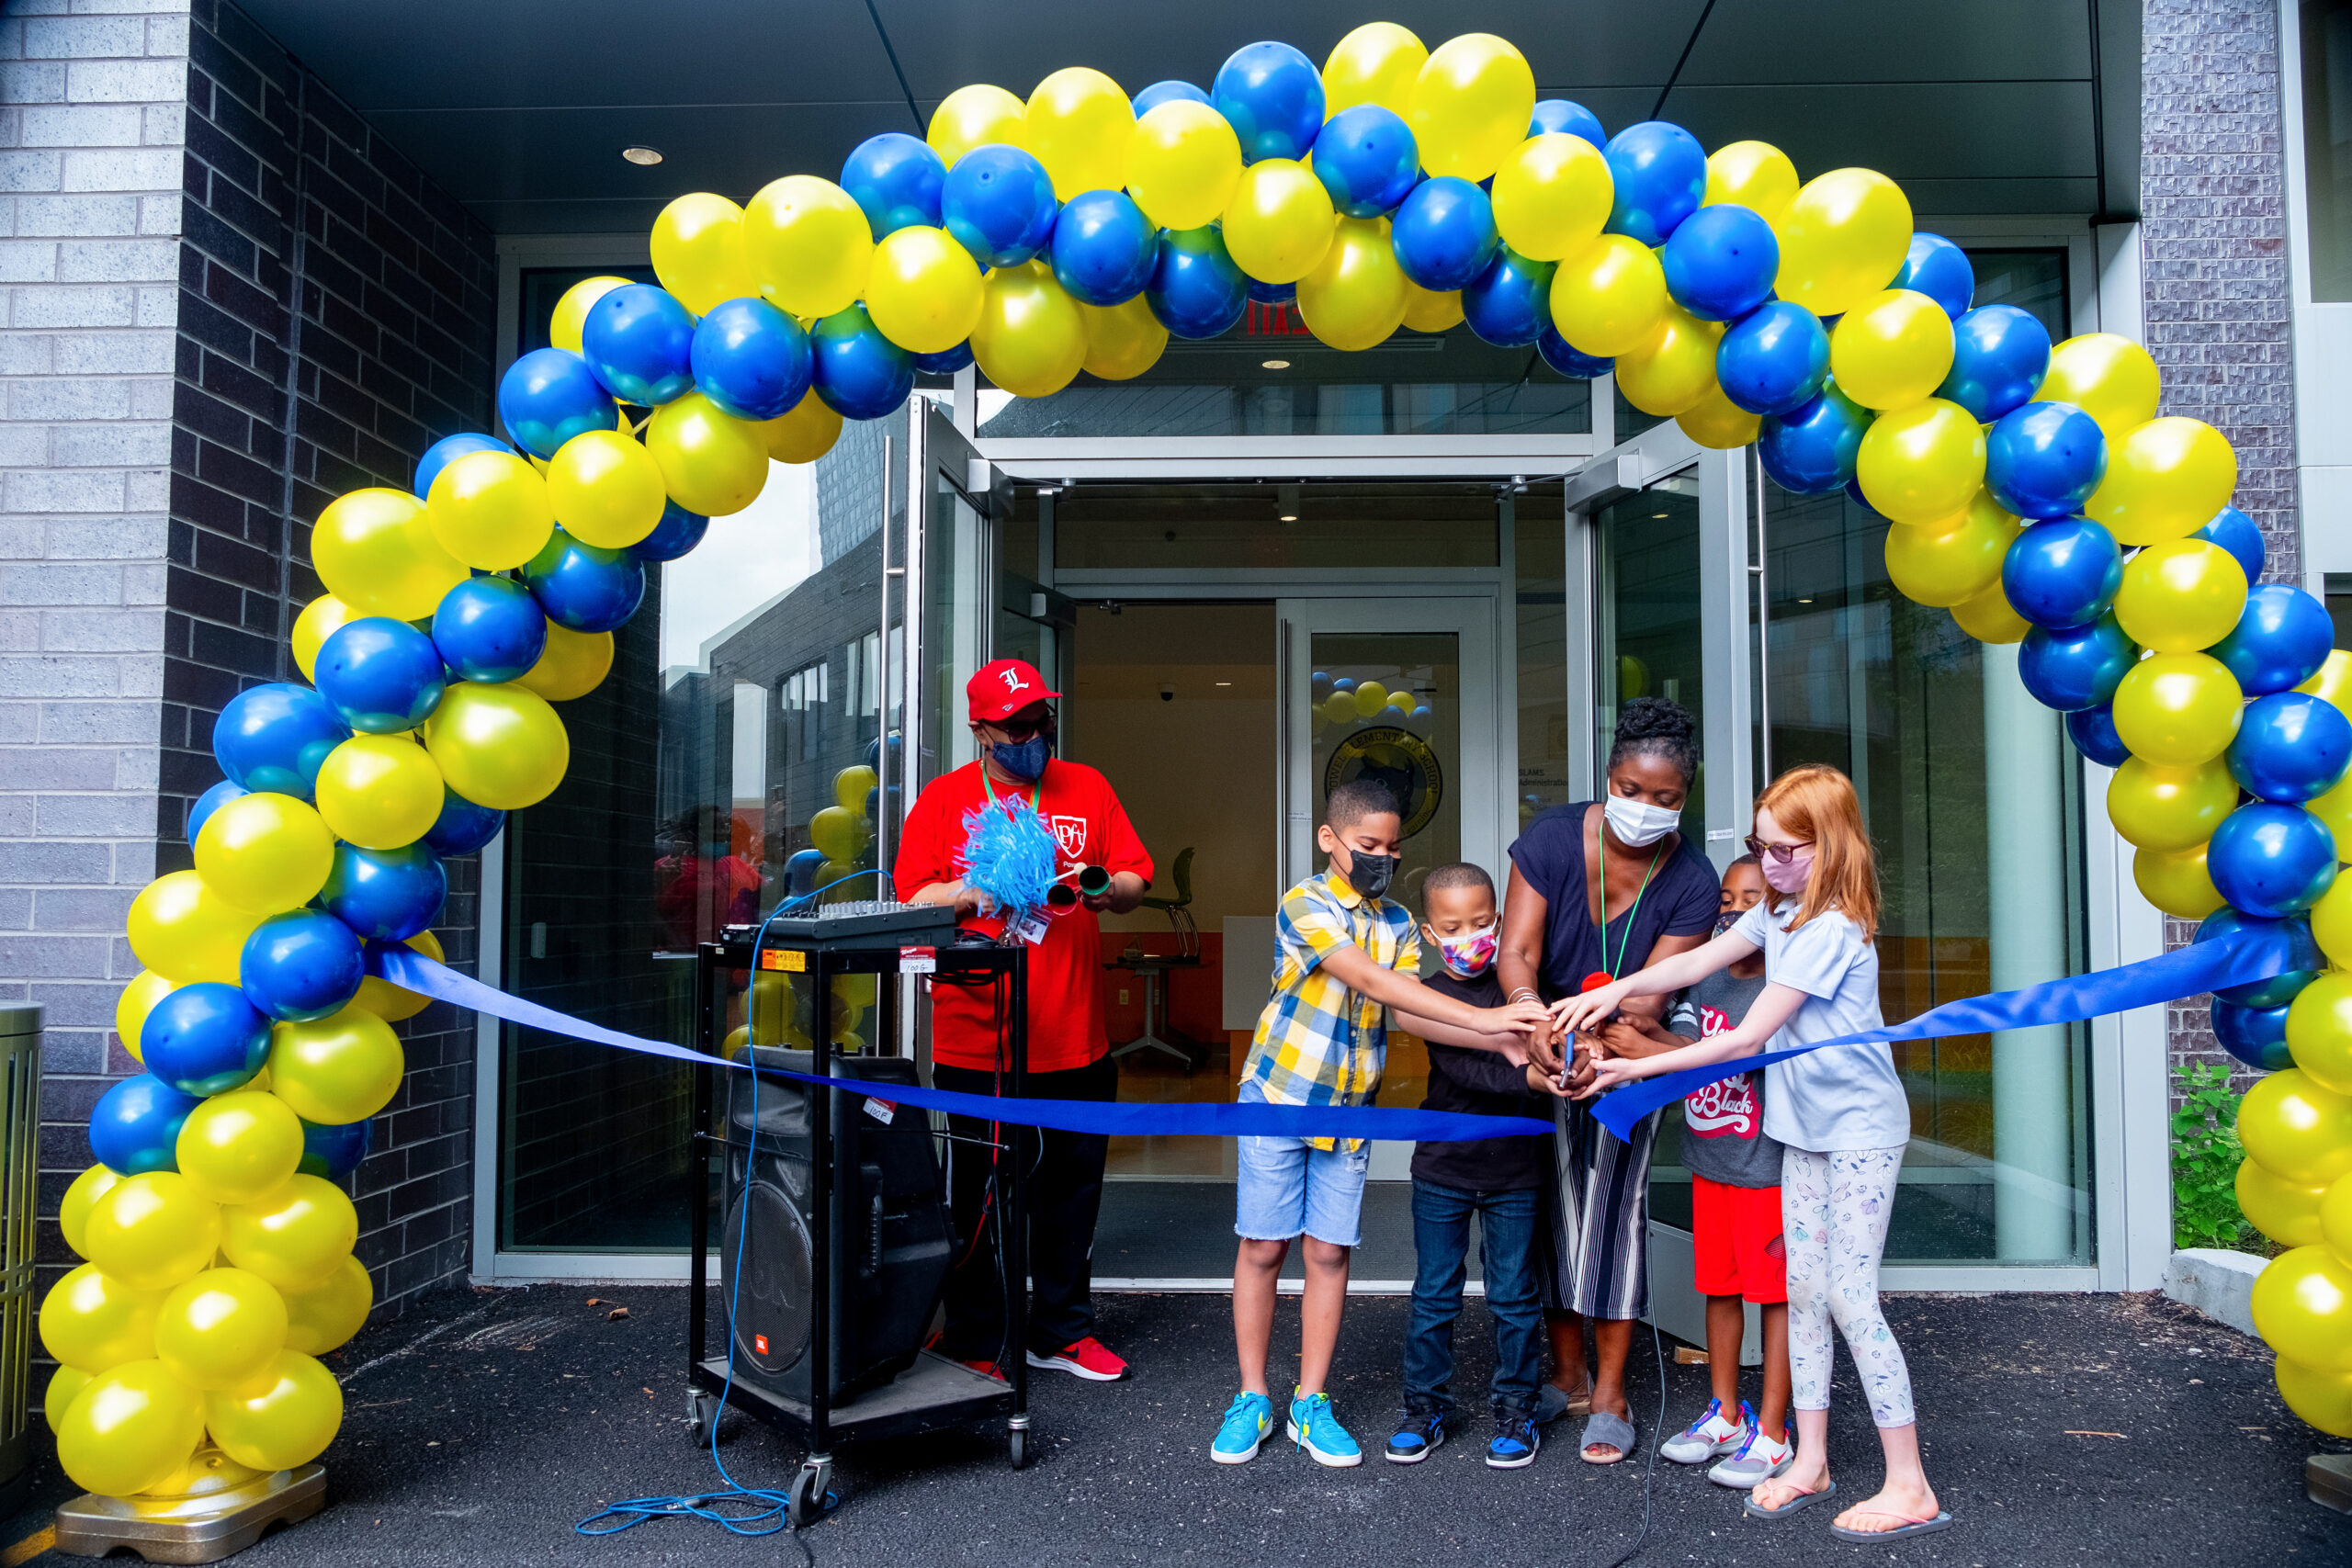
1030,927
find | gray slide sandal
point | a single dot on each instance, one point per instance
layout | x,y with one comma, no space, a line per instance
1614,1431
1796,1505
1909,1527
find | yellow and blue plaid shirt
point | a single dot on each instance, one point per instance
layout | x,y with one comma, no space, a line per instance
1317,1042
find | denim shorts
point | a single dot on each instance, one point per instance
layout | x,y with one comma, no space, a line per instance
1285,1187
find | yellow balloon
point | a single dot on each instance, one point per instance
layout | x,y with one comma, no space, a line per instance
2296,1130
1355,297
2178,707
809,246
2321,1399
1184,164
1339,707
375,551
1988,616
1754,174
391,1002
698,254
1030,340
296,1237
221,1329
131,1009
925,289
711,462
573,664
1716,423
975,117
286,1418
1371,697
92,1320
240,1147
153,1230
322,1318
130,1430
320,619
2334,679
184,931
2175,881
497,744
1427,311
1379,63
1921,464
858,990
1843,238
2165,479
2332,916
834,831
1950,562
2182,595
265,852
1891,349
2336,1216
1610,298
1122,341
66,1386
335,1070
380,791
803,433
1280,221
2286,1213
1552,195
489,510
2159,805
852,785
1472,102
1673,367
2107,376
571,312
1079,125
604,488
2319,1031
74,1209
2303,1308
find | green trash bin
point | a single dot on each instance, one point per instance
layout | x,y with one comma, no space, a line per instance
19,1146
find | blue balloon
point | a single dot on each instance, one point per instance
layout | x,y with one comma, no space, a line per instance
998,203
1776,361
381,676
2044,460
210,801
2282,637
447,450
1168,92
463,827
750,359
896,180
135,1127
1569,360
204,1039
1272,96
300,965
274,739
1721,262
1567,118
1939,269
584,587
678,532
487,628
640,342
2095,735
2307,961
2077,667
946,362
1444,234
385,894
2290,747
2256,1036
859,374
1273,293
334,1152
1510,304
1999,354
2236,532
549,396
1103,247
1660,173
800,872
1811,449
2063,573
1366,159
1196,289
2270,860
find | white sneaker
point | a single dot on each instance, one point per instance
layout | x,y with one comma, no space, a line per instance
1710,1435
1759,1459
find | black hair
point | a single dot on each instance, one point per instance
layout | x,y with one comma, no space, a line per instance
1357,799
1459,874
1652,727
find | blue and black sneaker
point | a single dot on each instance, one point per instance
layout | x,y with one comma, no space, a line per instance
1419,1435
1516,1439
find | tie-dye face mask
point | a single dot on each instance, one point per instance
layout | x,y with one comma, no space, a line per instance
1469,956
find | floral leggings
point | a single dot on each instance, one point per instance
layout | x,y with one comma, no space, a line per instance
1833,1211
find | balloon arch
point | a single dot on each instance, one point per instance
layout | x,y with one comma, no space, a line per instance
2032,488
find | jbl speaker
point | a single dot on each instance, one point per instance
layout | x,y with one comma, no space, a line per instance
889,1236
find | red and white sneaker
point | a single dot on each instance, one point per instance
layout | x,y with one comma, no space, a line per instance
1087,1359
988,1369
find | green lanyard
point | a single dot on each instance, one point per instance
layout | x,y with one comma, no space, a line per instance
991,788
1627,940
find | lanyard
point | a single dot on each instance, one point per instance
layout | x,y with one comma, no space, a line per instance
991,789
1627,940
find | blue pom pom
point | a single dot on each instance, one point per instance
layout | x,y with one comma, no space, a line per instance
1008,855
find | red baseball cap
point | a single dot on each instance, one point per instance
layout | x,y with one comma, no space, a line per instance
1003,688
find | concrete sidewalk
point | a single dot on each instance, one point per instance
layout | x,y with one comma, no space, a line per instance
482,1424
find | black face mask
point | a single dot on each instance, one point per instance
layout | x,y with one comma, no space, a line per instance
1369,873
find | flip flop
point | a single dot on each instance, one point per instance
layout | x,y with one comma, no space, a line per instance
1795,1505
1606,1430
1552,1402
1942,1521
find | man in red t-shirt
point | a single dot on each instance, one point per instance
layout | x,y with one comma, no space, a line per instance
1069,1056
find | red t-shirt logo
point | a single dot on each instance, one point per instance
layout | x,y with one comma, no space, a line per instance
1070,833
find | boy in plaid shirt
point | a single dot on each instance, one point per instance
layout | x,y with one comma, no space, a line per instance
1345,955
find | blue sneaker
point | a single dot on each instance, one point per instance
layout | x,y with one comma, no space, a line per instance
1315,1429
1516,1439
1246,1421
1419,1434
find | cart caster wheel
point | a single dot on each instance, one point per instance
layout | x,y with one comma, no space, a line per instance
811,1496
702,1413
1017,1448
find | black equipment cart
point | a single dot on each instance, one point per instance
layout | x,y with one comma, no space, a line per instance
834,1219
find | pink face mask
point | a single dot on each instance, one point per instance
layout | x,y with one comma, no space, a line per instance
1468,956
1789,875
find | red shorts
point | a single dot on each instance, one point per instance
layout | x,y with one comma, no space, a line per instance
1735,1241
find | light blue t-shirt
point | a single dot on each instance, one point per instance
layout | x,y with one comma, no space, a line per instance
1847,1097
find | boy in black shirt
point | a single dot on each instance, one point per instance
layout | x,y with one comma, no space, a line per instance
1496,1178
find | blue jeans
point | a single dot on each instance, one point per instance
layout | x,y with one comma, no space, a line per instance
1441,1244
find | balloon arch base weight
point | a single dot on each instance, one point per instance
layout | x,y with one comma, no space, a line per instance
203,1526
2327,1480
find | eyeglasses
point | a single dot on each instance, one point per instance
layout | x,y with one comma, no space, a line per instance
1784,854
1019,732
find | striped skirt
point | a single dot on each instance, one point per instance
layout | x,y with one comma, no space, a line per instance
1597,1261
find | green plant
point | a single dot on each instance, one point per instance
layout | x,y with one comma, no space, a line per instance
2205,1159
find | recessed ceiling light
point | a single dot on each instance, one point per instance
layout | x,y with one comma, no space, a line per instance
1275,363
644,157
1289,517
1805,600
1656,516
1224,682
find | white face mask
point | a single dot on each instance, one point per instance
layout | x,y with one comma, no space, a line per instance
1638,823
